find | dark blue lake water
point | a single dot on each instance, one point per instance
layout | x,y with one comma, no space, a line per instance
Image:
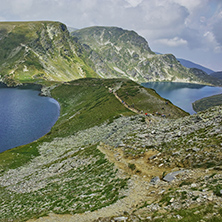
24,116
183,94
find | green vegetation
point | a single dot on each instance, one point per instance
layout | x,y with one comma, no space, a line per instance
115,52
67,172
147,100
87,187
132,166
207,102
87,102
39,51
75,167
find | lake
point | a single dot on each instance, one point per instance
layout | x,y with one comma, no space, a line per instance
183,94
24,116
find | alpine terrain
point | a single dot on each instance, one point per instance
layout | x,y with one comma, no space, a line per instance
38,52
121,53
119,151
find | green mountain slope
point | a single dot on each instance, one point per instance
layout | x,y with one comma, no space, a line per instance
207,102
45,51
39,51
121,53
109,154
100,160
65,172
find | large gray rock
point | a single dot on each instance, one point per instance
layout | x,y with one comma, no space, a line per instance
155,180
172,176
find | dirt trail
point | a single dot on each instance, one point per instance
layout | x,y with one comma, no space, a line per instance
148,119
128,107
145,170
139,189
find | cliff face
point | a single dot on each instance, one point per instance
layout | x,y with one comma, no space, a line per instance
31,51
121,53
45,51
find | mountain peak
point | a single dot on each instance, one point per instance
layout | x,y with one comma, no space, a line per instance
123,53
39,51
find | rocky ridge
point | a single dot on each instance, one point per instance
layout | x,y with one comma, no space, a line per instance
123,53
140,147
39,52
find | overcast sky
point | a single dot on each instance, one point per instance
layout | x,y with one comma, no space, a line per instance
189,29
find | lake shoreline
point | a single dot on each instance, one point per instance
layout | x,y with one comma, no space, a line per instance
25,115
183,95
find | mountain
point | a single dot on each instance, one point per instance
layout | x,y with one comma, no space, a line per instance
118,152
122,53
217,75
190,64
39,51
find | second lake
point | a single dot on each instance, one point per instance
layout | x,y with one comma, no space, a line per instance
183,94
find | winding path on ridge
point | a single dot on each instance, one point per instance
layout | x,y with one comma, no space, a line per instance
151,117
138,189
128,107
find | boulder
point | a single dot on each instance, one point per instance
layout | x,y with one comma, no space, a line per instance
172,176
155,180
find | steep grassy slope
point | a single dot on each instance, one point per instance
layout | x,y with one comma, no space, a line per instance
99,158
38,52
65,172
207,102
122,53
45,51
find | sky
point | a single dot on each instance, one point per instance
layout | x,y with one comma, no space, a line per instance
189,29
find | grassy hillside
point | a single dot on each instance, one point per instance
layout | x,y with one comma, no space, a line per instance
207,102
39,52
64,171
102,160
115,52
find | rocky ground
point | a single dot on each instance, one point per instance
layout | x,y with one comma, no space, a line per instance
127,176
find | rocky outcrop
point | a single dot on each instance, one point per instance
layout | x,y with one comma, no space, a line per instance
68,164
44,51
120,53
38,52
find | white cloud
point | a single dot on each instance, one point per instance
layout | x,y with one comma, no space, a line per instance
174,42
161,14
209,36
20,6
133,3
190,4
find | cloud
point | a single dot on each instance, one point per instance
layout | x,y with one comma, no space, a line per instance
217,28
175,42
20,6
160,14
190,4
133,3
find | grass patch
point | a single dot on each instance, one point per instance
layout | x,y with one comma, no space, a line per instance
87,187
